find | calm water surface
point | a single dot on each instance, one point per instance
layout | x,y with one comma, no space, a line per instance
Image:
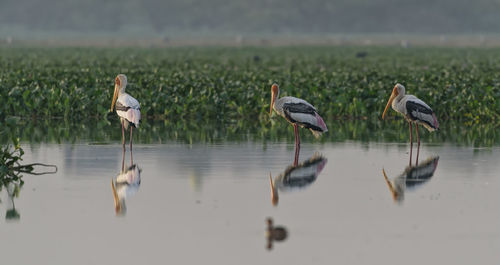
208,203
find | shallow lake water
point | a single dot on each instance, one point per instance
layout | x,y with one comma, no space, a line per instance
209,203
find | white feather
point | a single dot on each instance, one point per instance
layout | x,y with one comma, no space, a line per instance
128,101
133,114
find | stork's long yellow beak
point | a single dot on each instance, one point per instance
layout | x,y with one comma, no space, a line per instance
115,96
273,98
393,95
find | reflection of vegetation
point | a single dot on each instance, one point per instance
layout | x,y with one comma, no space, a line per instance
12,187
229,84
103,131
10,167
11,171
10,177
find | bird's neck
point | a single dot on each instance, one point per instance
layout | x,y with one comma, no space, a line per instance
399,97
277,100
121,90
278,105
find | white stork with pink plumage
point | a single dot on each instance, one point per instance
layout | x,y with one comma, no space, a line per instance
414,110
298,112
127,107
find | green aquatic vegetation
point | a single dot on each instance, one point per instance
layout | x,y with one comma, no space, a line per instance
232,84
11,174
11,169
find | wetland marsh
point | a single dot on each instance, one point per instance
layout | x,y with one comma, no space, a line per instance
200,187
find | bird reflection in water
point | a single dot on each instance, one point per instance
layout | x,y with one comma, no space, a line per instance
297,176
274,233
411,178
125,185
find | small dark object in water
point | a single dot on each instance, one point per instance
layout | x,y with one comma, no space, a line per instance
256,58
274,233
361,54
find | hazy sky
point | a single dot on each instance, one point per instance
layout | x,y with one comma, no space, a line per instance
173,17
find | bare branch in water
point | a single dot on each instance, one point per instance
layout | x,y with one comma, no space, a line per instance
28,169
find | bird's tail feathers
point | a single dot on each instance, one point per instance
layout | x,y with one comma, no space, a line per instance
436,123
321,123
134,116
432,125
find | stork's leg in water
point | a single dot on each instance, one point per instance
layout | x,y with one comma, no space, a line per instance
123,160
123,136
297,144
411,142
418,144
131,157
297,137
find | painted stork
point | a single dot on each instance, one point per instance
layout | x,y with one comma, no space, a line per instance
411,178
297,176
127,107
414,110
298,112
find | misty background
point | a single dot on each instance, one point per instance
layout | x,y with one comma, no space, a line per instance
39,19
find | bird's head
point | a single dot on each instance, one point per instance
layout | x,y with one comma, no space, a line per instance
120,84
398,89
275,91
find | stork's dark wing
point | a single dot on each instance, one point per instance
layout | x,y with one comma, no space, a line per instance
299,108
417,110
413,107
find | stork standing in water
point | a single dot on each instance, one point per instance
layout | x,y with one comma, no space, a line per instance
414,110
127,108
298,112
